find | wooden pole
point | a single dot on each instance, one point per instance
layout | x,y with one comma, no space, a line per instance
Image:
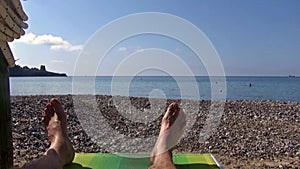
6,148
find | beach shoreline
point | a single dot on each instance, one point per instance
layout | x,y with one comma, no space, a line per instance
251,134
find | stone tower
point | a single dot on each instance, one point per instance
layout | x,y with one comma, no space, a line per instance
43,68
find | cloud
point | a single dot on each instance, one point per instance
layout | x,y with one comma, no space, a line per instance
140,50
122,49
55,42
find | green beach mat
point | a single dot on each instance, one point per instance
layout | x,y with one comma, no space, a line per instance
114,161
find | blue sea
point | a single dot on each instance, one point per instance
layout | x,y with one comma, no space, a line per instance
196,88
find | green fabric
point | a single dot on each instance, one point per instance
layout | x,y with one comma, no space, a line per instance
114,161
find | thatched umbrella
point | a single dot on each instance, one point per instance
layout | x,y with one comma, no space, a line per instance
11,27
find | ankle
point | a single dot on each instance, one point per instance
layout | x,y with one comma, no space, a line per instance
165,158
53,156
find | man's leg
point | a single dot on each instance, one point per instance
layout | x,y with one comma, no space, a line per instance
172,126
61,151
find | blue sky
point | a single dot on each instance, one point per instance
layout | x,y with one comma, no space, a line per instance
251,37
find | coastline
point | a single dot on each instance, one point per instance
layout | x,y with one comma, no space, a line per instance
18,71
251,134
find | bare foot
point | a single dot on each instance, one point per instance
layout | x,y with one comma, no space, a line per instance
55,121
172,126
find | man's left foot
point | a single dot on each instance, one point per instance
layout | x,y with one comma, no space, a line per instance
55,121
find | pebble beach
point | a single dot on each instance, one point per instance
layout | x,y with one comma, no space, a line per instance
251,134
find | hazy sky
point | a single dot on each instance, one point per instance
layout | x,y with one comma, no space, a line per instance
252,37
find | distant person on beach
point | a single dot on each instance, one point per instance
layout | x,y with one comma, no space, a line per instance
61,151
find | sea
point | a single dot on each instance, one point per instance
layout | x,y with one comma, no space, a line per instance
179,87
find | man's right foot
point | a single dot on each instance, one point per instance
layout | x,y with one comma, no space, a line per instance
172,126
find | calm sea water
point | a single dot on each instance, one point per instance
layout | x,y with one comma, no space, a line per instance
197,88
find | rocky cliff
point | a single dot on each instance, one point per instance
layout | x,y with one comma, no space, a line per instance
25,71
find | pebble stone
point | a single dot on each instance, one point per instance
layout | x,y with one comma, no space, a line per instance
251,134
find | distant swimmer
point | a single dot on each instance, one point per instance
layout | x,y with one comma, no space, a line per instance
250,85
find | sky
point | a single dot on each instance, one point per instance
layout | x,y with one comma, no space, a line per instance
251,38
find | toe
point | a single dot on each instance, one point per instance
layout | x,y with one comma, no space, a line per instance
45,119
173,110
47,114
49,110
58,109
171,114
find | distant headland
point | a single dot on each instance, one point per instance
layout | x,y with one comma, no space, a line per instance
19,71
